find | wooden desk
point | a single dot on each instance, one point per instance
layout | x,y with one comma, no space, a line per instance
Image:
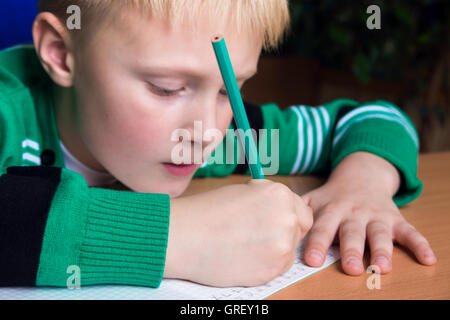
430,214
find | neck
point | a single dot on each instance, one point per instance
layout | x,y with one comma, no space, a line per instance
66,119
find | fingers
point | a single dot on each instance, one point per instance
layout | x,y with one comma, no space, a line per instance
304,218
259,181
304,213
379,236
320,238
406,235
289,263
352,235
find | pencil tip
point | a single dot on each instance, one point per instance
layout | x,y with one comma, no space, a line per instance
217,37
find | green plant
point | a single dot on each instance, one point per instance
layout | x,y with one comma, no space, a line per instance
413,35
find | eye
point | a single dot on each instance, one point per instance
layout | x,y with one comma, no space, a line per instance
163,92
167,93
224,93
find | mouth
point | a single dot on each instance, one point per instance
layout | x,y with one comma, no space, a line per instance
179,170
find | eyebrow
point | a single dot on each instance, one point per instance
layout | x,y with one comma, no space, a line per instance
173,70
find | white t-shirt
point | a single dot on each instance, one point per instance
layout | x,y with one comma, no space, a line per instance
93,177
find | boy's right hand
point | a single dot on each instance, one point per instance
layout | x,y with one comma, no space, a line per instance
237,235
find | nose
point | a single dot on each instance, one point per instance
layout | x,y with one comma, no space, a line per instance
201,120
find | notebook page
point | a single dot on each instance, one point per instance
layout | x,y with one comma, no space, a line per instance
174,289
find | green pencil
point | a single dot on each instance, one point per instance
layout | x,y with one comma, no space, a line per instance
229,78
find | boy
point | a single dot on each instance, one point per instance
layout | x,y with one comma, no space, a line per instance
85,108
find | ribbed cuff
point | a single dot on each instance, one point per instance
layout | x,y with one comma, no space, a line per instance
113,237
389,142
126,238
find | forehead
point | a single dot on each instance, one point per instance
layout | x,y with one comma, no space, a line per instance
154,40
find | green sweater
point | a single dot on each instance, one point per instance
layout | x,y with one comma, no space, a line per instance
50,219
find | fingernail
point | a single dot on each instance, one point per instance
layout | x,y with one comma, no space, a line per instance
381,260
316,255
353,261
429,254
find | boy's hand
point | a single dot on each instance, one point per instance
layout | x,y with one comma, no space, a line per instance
237,235
355,204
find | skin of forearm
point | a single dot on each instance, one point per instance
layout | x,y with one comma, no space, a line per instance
368,169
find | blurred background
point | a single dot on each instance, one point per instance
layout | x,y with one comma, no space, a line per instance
330,53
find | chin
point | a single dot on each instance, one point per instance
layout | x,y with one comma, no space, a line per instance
175,194
174,190
173,187
177,190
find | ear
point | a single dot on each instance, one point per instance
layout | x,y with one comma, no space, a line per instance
53,45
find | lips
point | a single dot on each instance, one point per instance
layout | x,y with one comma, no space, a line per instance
179,170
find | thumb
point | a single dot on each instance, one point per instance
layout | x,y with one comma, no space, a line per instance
304,213
317,198
307,198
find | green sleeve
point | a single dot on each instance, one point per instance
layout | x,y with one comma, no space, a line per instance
313,140
114,237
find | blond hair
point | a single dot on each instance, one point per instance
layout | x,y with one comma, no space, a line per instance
269,18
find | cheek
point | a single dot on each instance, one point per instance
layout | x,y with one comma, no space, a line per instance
125,135
117,118
224,119
138,133
143,134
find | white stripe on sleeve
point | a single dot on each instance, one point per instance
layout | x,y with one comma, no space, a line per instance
32,158
310,140
319,136
361,113
299,139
